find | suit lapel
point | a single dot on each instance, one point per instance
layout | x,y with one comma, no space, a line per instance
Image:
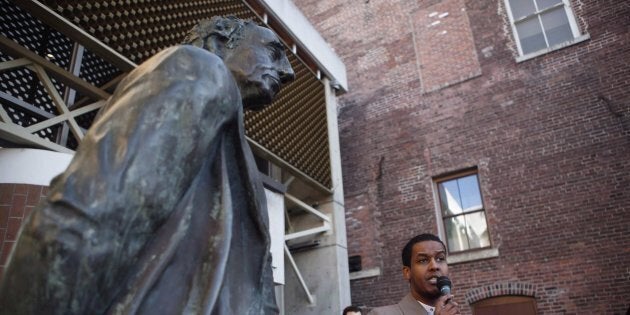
410,306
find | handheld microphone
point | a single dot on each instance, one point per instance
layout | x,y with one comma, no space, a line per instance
444,285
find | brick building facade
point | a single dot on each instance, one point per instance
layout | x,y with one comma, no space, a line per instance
439,87
17,201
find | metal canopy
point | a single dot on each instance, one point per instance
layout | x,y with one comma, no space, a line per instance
108,38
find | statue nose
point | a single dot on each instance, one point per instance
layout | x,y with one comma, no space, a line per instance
286,74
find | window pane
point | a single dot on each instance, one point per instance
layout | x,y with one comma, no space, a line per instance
469,192
521,8
477,230
543,4
449,197
557,26
456,233
530,35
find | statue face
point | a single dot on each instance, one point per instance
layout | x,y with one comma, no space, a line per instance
259,65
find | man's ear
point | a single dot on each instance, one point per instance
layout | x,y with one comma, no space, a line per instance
406,272
229,31
216,45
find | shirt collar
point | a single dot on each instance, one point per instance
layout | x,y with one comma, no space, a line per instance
430,309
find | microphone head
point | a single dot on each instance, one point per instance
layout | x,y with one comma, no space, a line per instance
444,285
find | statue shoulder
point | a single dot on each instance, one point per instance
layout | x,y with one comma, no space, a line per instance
182,65
182,52
187,60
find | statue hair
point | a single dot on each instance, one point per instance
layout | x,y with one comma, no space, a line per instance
218,33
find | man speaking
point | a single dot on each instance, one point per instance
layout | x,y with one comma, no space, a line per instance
424,266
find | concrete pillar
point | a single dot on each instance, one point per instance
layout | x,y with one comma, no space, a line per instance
325,267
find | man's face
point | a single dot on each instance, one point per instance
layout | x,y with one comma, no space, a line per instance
428,261
259,65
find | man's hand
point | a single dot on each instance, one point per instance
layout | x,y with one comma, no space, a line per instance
445,305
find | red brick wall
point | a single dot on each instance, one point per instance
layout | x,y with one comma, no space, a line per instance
16,203
444,44
550,137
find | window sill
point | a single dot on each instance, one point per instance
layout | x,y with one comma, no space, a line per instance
374,272
553,48
472,256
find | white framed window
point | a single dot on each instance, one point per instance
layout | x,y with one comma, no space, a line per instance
541,26
462,212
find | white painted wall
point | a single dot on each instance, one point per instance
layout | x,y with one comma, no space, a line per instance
31,166
275,208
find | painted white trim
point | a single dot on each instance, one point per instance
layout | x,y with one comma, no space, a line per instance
438,211
31,166
571,17
275,209
305,34
472,256
334,147
374,272
553,48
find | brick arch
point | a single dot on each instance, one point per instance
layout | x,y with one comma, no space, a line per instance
500,289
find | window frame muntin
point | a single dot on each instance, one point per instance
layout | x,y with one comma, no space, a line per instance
566,4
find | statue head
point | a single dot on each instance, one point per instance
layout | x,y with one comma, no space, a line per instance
254,55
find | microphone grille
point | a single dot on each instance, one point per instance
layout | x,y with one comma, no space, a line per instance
444,285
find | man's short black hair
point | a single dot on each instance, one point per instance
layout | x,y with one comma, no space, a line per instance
406,252
351,308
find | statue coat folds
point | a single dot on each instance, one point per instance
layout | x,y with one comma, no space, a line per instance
161,210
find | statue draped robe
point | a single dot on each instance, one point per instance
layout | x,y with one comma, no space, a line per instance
161,210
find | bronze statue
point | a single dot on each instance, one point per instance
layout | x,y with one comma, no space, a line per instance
161,211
